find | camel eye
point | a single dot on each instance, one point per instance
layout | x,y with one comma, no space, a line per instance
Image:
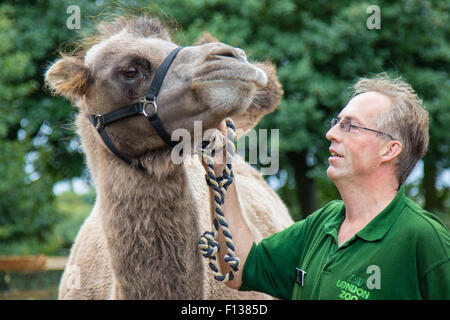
129,73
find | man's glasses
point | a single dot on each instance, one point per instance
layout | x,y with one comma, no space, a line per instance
346,125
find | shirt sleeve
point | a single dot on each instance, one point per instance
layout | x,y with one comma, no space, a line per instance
434,261
435,285
270,265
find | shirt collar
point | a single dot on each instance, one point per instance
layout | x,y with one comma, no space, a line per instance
377,228
332,225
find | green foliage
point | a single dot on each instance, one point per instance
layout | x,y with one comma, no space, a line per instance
37,148
70,209
22,215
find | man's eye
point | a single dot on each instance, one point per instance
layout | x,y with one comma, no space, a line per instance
129,73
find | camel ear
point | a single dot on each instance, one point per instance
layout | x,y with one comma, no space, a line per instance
265,101
68,77
205,37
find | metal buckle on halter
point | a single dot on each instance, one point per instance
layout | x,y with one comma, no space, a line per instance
99,121
145,103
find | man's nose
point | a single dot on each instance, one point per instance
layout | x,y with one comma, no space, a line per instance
333,133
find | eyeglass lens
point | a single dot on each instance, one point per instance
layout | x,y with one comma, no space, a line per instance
343,125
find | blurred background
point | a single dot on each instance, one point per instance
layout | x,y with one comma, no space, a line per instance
320,48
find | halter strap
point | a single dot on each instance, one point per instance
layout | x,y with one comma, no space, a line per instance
96,122
160,75
139,108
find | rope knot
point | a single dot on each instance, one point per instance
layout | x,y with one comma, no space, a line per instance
208,245
232,261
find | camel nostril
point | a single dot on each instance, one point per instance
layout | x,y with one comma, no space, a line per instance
229,52
226,54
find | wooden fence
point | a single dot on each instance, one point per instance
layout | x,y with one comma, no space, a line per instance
29,264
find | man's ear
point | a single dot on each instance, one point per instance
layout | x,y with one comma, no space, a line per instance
68,77
391,151
205,37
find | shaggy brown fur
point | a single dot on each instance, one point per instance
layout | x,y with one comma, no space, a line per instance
140,241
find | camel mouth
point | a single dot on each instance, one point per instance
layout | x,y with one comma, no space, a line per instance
259,83
246,73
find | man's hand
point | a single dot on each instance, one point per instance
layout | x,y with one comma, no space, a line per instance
220,154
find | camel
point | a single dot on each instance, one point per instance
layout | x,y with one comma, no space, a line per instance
140,240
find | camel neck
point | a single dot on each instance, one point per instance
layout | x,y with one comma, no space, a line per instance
151,226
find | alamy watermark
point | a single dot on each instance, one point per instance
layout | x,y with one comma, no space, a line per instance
74,20
374,20
374,281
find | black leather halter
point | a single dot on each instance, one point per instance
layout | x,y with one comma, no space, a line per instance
140,108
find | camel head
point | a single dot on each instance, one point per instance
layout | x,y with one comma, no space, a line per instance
206,82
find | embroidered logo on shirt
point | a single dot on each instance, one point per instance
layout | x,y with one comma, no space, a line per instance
353,288
349,291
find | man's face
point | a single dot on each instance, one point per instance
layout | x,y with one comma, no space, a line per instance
356,155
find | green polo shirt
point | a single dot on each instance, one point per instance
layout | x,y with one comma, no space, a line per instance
403,253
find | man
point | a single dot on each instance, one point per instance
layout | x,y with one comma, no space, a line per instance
373,244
